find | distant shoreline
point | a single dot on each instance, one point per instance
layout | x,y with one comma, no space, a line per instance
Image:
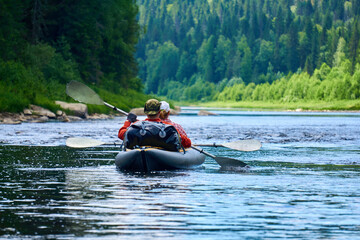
269,110
320,106
343,106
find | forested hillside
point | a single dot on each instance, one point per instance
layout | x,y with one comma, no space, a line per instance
234,50
189,50
46,44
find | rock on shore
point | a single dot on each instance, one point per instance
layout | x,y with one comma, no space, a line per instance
206,113
39,111
78,109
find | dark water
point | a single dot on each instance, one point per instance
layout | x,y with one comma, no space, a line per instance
304,183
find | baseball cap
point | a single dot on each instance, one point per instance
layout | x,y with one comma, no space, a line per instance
152,107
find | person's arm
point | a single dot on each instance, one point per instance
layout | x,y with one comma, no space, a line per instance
185,141
131,118
123,129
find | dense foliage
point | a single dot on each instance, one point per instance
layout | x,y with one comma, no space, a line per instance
46,44
326,84
250,49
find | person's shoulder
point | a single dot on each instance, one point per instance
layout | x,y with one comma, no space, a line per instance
177,125
168,121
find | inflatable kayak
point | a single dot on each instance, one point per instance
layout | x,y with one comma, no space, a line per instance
154,159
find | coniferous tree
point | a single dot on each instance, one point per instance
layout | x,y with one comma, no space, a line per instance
354,42
293,46
287,35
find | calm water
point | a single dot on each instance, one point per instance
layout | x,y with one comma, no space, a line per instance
304,183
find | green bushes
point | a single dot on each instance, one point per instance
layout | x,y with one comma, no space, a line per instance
325,84
42,79
17,87
39,79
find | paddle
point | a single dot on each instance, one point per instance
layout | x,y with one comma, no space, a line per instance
222,161
247,145
86,142
239,145
82,93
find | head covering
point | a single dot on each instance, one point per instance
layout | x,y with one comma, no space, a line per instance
152,107
165,106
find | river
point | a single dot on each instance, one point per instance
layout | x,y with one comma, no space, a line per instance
303,183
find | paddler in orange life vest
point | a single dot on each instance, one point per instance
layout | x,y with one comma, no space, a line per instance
164,116
152,110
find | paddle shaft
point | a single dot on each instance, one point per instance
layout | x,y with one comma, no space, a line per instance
202,151
88,142
115,108
209,145
223,161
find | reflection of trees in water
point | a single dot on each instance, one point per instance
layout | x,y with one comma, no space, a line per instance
87,183
102,182
31,193
118,201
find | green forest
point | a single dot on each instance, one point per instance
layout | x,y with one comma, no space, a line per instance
190,51
250,50
46,44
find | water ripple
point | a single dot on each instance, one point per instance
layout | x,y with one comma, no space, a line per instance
303,183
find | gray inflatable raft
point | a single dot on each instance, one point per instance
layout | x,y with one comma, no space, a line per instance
153,159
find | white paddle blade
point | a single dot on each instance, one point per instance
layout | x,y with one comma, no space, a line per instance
83,142
244,145
82,93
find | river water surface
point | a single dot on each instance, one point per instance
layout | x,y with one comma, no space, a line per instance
304,183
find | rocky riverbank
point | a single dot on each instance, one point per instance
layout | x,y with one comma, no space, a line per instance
79,112
37,114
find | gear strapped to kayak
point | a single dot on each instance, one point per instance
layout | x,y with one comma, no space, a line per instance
155,134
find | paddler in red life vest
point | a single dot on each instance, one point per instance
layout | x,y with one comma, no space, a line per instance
152,110
164,116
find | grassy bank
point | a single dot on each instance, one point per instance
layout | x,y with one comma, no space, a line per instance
341,105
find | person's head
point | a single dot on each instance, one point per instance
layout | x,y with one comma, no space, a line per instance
152,108
164,110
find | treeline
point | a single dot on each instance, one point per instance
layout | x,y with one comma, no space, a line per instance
47,43
192,50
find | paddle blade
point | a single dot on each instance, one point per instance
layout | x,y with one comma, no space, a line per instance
82,142
244,145
226,162
82,93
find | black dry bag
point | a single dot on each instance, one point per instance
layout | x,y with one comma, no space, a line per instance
154,134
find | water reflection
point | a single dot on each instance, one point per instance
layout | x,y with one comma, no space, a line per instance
127,202
283,199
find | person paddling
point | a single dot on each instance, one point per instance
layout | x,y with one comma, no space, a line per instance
152,111
164,116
